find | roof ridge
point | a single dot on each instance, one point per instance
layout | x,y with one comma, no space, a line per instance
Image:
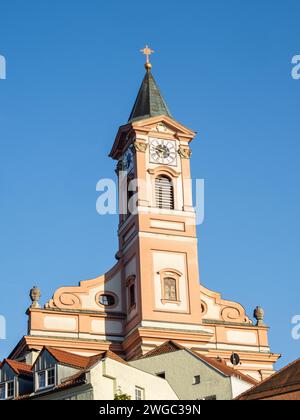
115,356
155,351
81,362
90,361
218,365
223,368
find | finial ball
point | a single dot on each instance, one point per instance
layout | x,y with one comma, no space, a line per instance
148,66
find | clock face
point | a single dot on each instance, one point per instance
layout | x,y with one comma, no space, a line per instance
163,151
127,160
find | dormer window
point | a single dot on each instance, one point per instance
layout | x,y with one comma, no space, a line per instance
45,378
7,390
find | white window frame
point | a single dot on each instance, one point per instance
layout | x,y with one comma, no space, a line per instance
5,384
47,385
139,392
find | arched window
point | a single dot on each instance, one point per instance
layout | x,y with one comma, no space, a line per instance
164,192
131,293
170,290
130,192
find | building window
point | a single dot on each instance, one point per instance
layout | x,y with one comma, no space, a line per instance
10,389
170,280
170,292
164,192
197,380
7,390
41,380
106,300
46,378
130,193
51,377
132,295
139,393
2,392
161,375
131,292
211,398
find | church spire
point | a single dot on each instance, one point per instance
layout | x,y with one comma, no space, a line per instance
149,102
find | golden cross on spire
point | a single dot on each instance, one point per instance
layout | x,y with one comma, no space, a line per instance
147,52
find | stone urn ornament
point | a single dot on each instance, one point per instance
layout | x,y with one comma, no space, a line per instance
259,315
35,295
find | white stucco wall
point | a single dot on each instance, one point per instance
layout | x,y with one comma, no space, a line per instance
109,376
238,386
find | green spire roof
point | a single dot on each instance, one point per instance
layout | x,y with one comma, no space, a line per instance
149,102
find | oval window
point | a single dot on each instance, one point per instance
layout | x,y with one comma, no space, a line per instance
106,300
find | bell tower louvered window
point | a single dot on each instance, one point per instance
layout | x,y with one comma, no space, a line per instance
164,193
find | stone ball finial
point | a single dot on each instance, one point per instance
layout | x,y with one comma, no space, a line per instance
35,295
259,315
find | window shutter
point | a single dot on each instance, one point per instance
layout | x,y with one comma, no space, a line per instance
164,193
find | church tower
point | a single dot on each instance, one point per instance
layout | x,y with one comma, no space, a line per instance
157,241
153,293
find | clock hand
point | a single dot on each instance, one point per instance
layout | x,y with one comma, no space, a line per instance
159,150
162,149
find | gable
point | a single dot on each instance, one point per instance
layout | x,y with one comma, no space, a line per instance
44,361
178,364
7,373
162,125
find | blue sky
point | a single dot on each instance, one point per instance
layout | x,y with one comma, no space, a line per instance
73,71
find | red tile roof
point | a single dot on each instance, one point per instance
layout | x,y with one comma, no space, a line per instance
167,347
75,380
74,360
72,381
81,362
171,346
286,380
19,368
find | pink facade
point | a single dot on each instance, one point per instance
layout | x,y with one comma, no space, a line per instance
153,293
